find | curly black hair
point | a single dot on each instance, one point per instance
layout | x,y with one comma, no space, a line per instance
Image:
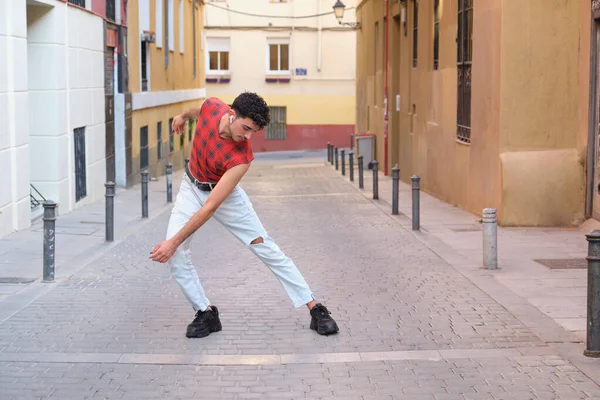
250,105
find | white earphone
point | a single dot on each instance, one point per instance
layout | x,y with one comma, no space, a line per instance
231,119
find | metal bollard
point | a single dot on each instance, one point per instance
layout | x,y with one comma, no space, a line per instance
109,217
395,188
336,159
375,180
169,183
331,159
416,202
592,348
328,152
352,141
49,239
351,165
490,239
361,167
343,162
144,194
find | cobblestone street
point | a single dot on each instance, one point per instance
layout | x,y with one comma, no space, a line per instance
411,325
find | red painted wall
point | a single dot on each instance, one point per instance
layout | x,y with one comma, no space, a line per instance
99,7
305,137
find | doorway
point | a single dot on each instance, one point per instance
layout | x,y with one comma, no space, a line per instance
592,203
394,101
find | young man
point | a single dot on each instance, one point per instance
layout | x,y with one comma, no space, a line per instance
221,155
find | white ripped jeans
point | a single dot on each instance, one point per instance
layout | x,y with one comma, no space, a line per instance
238,216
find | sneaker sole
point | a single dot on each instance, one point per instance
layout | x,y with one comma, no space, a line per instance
313,326
204,333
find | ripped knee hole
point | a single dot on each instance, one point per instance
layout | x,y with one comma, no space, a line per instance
258,240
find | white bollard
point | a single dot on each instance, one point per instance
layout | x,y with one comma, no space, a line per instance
490,239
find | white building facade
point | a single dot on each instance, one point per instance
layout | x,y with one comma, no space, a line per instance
52,108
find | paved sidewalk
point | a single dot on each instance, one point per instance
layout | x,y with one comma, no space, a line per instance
415,324
80,236
559,293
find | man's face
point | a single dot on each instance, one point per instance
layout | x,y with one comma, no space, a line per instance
242,129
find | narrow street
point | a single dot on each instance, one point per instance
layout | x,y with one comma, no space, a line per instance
411,325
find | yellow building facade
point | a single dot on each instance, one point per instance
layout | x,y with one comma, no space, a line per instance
487,101
295,55
166,77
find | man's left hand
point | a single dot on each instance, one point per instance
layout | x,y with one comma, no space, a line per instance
163,251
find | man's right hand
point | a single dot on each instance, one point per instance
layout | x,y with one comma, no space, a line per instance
178,124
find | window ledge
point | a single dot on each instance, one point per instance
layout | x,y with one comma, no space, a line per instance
278,78
220,78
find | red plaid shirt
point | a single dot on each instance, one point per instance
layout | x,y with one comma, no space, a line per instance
211,155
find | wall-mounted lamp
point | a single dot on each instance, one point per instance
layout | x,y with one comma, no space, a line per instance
338,9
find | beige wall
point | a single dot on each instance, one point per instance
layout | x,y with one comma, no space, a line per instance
528,106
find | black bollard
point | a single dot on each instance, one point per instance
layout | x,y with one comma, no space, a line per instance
416,211
395,188
592,348
375,180
144,194
49,239
169,183
361,182
352,141
343,162
336,159
109,223
331,159
351,165
328,152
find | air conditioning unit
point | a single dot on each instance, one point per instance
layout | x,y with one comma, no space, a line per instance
149,37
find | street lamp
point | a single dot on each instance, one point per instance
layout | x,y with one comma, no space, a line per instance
338,10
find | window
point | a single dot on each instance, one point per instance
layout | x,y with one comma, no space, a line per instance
80,3
415,32
171,25
376,47
194,34
464,50
436,34
171,138
80,165
278,56
111,11
159,24
143,147
145,58
218,56
159,142
277,128
181,26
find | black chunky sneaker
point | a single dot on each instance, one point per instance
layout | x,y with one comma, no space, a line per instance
321,320
204,324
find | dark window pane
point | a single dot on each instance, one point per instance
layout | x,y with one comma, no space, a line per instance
224,61
274,57
214,60
285,64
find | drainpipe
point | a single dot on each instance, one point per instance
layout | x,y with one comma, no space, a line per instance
385,92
